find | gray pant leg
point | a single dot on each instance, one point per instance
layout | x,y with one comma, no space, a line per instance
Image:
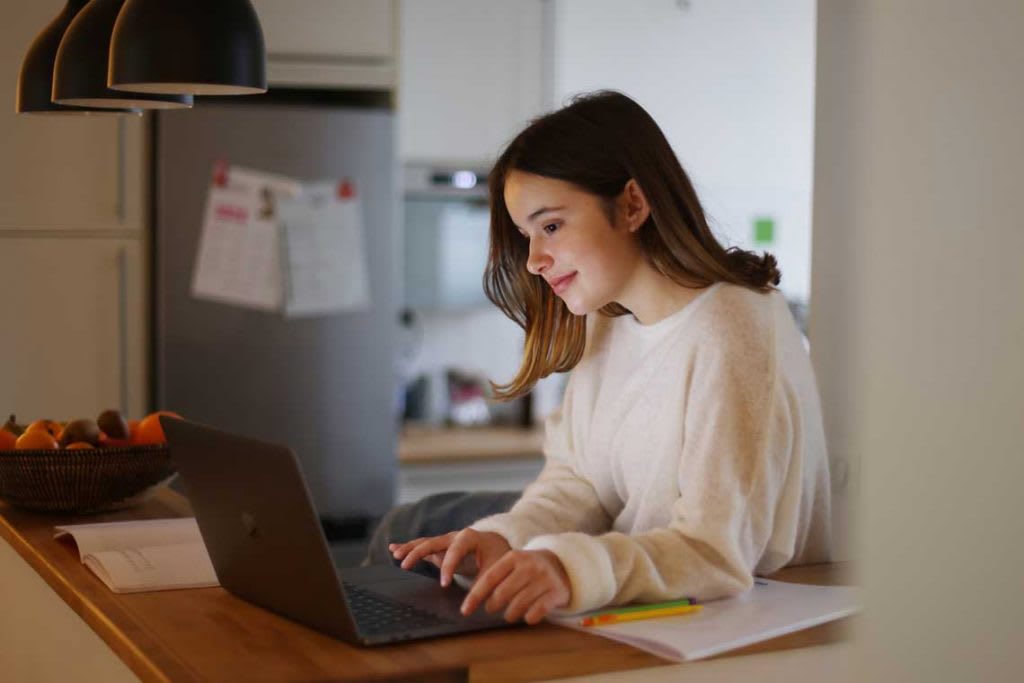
432,516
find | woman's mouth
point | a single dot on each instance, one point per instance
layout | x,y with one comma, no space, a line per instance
562,283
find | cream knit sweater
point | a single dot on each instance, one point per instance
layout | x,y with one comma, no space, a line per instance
688,456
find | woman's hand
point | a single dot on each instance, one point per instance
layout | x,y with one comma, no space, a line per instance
465,552
527,584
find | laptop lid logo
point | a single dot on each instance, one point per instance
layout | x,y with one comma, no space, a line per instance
249,524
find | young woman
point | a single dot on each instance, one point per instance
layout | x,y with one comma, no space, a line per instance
689,453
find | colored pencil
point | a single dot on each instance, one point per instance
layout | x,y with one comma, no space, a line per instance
647,607
605,619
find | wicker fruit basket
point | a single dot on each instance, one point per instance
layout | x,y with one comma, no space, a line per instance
82,481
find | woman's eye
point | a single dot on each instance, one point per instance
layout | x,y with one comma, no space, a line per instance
550,228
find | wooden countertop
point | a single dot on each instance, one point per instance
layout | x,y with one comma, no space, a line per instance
422,444
208,634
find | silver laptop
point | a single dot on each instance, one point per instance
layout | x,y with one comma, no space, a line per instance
267,547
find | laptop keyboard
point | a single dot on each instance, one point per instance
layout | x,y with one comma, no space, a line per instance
375,613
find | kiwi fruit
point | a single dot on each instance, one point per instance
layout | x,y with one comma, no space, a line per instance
113,424
80,430
13,427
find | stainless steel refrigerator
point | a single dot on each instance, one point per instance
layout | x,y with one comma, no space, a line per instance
323,385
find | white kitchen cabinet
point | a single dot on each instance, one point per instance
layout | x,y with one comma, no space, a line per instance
73,217
64,172
73,341
471,75
329,43
71,173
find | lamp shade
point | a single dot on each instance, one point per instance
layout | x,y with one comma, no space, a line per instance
35,80
80,68
202,47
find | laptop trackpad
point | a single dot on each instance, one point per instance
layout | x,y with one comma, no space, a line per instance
427,595
418,591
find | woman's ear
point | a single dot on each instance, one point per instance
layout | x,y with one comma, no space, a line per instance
634,206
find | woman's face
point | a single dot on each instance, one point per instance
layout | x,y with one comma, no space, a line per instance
585,259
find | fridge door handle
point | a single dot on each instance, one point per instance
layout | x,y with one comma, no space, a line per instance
119,198
122,326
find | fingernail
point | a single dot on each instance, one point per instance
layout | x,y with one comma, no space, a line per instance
444,580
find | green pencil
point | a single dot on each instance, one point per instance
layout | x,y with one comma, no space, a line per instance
647,608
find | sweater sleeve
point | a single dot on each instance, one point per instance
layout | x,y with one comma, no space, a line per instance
732,466
559,499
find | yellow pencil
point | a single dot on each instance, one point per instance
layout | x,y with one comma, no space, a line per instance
604,619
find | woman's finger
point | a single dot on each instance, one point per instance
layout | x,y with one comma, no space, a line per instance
464,543
487,581
524,600
399,550
504,592
420,550
539,609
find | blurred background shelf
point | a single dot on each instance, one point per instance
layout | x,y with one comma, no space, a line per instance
437,459
419,444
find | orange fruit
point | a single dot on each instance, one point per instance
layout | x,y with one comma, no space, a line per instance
79,445
38,438
149,430
51,427
7,440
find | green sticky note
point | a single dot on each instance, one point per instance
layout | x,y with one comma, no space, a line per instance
764,230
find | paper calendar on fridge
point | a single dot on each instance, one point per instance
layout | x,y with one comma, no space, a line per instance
324,251
238,260
272,243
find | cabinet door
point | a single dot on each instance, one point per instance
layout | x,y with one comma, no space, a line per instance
64,172
470,76
329,43
327,28
74,327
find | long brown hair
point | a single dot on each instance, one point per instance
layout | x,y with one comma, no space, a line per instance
599,142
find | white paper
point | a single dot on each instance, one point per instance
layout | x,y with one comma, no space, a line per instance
129,557
769,609
94,538
239,256
325,252
164,567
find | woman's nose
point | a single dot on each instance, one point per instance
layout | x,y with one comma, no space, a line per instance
538,260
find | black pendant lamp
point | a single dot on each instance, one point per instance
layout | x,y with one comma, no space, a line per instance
202,47
35,80
80,69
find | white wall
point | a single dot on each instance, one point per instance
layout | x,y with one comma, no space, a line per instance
731,83
917,322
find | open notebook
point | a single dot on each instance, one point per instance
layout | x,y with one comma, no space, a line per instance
768,610
131,557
